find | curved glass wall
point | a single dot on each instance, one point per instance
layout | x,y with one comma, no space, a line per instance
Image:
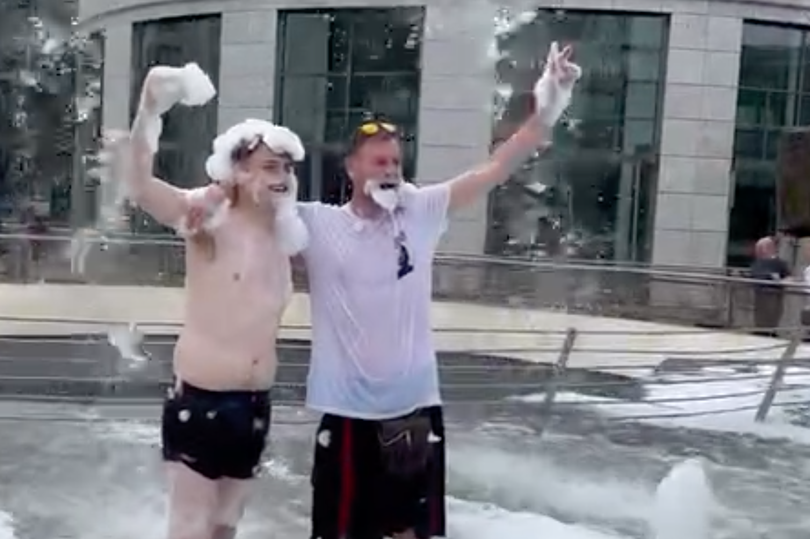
591,195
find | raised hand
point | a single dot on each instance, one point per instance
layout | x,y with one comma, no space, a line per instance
552,92
163,88
166,86
206,209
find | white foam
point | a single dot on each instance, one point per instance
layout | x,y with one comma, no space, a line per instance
708,403
471,520
524,486
536,483
134,432
493,468
6,526
683,503
276,137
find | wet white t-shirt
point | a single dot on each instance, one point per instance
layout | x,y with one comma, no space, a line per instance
372,344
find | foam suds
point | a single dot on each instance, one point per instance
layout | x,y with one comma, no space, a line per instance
6,526
128,341
683,503
472,520
276,137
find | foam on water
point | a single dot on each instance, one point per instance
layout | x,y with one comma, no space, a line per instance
466,519
513,492
703,402
683,503
521,480
470,520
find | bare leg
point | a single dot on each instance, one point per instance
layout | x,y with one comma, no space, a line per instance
192,502
232,497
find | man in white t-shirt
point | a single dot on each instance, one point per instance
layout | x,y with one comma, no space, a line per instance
379,454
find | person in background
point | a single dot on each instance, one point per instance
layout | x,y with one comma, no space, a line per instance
805,316
768,296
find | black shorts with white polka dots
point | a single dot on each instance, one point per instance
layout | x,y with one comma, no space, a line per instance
216,433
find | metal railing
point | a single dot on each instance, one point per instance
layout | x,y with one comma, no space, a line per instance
653,293
87,369
596,361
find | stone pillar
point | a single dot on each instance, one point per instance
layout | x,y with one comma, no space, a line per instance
455,116
692,206
117,75
247,66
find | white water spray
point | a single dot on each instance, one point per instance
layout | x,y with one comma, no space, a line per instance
683,503
6,526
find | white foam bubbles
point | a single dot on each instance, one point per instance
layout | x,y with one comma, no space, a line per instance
6,526
470,520
683,503
128,341
519,480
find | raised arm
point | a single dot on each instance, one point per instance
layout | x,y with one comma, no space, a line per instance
552,96
162,89
163,201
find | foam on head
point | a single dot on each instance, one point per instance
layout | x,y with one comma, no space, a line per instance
277,138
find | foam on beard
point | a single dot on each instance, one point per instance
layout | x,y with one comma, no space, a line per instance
388,194
291,230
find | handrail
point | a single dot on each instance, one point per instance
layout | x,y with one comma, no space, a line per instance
552,385
778,376
702,275
561,343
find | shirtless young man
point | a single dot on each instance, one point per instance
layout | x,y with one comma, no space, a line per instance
238,283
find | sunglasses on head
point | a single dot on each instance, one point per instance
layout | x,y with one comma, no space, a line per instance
372,128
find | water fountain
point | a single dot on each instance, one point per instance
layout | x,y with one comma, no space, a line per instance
583,480
683,503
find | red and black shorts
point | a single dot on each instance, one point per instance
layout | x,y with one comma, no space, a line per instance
364,490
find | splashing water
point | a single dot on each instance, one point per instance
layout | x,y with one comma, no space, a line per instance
6,526
110,205
683,503
128,340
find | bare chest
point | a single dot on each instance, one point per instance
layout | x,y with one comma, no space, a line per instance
241,265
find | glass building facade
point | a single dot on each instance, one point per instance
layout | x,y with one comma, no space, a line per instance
591,194
645,152
187,132
774,94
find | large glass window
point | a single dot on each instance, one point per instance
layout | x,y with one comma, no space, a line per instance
78,197
337,67
187,132
774,93
39,78
591,194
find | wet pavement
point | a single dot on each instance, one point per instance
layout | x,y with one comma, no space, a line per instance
92,471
